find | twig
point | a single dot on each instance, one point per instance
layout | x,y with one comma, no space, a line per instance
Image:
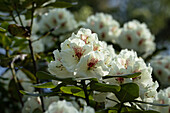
85,92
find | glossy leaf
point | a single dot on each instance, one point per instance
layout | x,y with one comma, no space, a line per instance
47,76
128,92
133,75
104,87
45,85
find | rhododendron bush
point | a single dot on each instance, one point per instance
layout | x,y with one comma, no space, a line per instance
57,64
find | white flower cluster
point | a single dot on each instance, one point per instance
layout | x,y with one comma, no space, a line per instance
54,105
34,103
163,97
67,107
127,62
135,35
104,25
161,69
60,18
83,56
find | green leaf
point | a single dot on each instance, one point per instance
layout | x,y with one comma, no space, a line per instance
45,85
154,104
29,75
46,76
19,31
133,75
104,87
57,88
70,89
76,91
61,5
2,29
128,92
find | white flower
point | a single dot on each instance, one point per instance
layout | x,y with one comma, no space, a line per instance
161,69
104,25
86,35
137,36
61,107
163,97
127,62
60,18
92,65
83,56
71,56
56,67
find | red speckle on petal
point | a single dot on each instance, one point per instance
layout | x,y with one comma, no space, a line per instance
141,42
63,24
103,35
54,21
84,38
138,33
60,16
92,63
101,25
120,80
78,51
167,66
129,38
159,72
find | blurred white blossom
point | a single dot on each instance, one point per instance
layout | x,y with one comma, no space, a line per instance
61,19
135,35
104,25
161,69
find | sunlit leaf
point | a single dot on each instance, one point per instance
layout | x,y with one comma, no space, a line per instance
104,87
45,85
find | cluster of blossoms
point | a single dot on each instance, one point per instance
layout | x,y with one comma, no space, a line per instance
163,97
83,56
104,25
128,62
135,35
60,18
161,69
54,105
